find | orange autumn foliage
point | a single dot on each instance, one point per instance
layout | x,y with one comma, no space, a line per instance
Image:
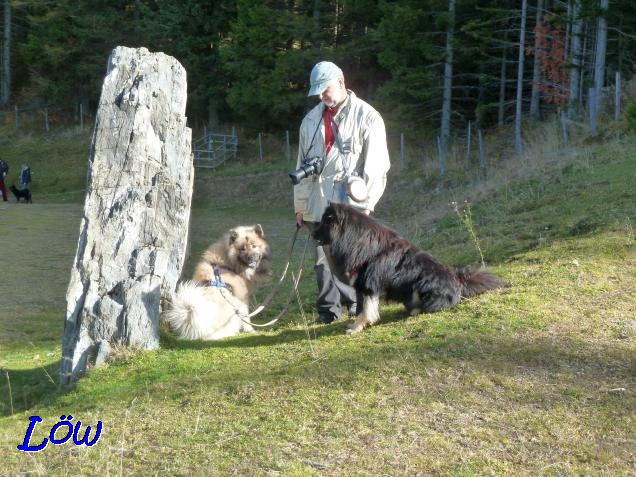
550,49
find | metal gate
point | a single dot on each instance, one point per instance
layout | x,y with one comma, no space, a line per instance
211,150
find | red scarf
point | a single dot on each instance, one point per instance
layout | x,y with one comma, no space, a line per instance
329,133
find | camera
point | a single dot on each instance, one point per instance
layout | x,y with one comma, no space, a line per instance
310,167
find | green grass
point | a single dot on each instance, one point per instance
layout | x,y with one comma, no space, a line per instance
534,379
58,162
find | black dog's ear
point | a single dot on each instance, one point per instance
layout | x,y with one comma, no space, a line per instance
330,216
259,231
233,236
337,212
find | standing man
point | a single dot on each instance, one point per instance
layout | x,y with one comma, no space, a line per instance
25,177
343,156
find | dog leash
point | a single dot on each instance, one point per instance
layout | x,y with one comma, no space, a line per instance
270,297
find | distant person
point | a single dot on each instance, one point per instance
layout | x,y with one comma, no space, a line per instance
4,170
25,177
342,157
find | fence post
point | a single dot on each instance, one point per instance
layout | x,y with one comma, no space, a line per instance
482,161
234,142
46,119
592,109
260,147
402,152
81,111
288,146
617,96
470,124
440,155
564,126
15,108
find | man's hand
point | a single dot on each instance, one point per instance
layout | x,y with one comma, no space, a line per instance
299,219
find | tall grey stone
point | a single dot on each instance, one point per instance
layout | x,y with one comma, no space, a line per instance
134,229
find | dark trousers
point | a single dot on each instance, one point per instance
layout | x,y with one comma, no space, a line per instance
333,294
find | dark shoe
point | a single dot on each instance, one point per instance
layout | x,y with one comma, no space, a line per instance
325,318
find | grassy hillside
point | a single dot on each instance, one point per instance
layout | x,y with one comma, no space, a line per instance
535,379
58,162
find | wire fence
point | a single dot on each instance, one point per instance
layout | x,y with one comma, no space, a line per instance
211,149
45,118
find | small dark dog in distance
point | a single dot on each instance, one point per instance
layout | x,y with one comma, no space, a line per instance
21,194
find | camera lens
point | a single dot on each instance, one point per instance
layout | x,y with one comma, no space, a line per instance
310,168
297,175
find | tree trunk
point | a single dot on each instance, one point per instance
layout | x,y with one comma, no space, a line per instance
576,54
316,20
599,62
213,114
448,83
5,91
535,100
519,101
133,234
501,110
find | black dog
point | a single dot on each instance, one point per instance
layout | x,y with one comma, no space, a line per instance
21,194
377,262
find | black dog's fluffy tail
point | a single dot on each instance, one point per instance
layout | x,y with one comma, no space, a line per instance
476,281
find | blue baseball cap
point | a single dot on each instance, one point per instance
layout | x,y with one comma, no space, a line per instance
320,75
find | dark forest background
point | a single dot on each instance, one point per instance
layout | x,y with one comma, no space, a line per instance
428,65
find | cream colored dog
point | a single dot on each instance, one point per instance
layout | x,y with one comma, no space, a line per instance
215,303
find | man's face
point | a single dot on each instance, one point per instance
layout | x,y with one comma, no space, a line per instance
334,94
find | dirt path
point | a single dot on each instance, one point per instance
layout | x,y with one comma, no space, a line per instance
38,246
39,241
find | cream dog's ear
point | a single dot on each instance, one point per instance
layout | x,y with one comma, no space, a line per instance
259,231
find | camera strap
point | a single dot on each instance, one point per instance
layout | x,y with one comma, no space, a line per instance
331,128
311,144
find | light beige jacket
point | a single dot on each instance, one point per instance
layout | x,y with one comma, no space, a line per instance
360,149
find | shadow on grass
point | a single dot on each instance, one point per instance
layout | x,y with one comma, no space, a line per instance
278,336
24,389
569,363
429,345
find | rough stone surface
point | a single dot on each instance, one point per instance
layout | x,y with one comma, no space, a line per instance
133,233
